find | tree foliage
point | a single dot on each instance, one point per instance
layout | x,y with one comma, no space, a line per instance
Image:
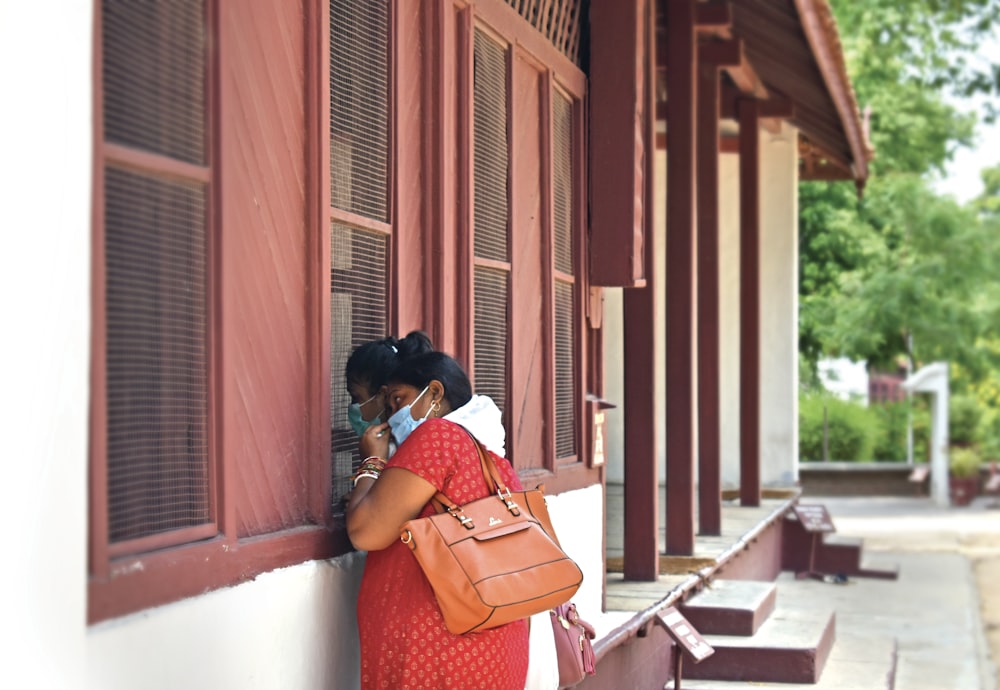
903,265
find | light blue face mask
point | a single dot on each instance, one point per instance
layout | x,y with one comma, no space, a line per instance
357,421
402,422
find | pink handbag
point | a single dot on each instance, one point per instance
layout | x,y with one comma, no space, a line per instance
573,647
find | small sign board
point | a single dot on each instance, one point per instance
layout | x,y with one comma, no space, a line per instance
814,518
684,634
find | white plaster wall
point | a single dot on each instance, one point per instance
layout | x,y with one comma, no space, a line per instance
779,381
779,311
290,628
45,128
729,317
614,385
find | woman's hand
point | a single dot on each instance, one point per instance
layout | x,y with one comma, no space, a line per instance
375,441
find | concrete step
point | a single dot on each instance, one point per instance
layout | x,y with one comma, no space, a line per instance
826,554
731,607
791,646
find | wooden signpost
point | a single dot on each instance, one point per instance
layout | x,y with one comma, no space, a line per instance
816,521
685,638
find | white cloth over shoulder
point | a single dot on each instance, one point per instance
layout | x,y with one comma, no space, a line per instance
543,665
483,419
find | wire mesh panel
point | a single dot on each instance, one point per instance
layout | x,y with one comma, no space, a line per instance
359,107
565,371
491,217
359,183
491,159
154,76
491,333
357,315
154,69
562,181
563,193
156,355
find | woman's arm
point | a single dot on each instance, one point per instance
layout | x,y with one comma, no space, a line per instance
378,508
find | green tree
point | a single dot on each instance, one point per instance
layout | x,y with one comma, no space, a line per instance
903,262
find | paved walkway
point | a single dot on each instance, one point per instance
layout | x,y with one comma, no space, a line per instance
930,615
922,631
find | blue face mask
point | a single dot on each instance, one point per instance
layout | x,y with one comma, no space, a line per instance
357,421
402,422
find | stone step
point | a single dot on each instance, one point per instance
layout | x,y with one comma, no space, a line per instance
791,646
731,607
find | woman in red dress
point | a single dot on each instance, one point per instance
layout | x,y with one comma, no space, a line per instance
404,642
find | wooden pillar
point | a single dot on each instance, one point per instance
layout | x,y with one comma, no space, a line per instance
749,303
642,513
679,284
709,461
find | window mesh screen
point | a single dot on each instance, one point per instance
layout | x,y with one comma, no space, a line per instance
154,76
562,181
491,333
565,393
490,216
490,146
359,133
357,315
156,355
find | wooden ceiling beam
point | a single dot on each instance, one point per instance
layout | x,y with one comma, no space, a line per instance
714,19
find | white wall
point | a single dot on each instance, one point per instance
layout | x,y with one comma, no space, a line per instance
290,628
45,126
779,347
779,311
729,317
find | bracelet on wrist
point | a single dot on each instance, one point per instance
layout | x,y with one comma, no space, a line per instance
361,475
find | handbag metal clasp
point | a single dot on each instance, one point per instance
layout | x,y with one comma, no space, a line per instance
462,518
514,509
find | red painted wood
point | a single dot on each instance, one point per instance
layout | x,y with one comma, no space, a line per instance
709,423
617,141
749,304
97,547
642,511
264,333
317,208
412,169
680,286
530,405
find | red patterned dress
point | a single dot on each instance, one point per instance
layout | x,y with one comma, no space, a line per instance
404,642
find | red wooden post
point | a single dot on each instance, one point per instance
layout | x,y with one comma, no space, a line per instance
749,303
709,481
679,285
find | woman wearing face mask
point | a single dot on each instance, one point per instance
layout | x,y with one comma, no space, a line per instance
367,370
404,641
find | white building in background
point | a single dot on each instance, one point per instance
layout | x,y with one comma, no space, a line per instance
846,379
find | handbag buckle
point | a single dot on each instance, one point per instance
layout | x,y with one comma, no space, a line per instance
462,518
514,509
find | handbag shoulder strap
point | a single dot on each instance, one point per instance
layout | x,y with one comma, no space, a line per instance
491,475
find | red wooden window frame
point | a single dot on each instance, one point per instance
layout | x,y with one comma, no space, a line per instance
230,549
557,72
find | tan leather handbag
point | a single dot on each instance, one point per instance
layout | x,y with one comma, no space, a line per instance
490,561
